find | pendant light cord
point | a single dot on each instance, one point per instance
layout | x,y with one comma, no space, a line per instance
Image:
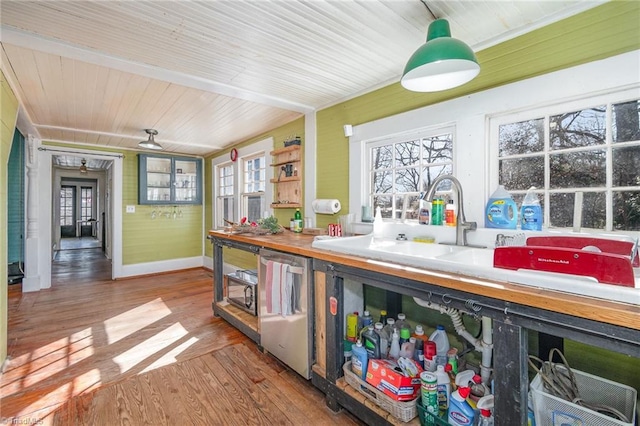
428,9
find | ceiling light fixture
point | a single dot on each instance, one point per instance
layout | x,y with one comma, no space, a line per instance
150,143
83,166
441,63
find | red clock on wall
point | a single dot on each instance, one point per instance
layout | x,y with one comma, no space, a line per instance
233,154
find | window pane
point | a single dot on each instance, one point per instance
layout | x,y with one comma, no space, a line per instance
626,166
521,138
593,210
580,128
408,180
626,122
385,204
382,181
626,210
429,174
381,157
578,169
255,207
522,173
407,153
438,149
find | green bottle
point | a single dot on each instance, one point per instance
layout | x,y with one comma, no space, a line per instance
297,220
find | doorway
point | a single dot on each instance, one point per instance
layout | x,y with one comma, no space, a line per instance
79,214
43,207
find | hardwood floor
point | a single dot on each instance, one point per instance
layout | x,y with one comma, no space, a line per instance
141,351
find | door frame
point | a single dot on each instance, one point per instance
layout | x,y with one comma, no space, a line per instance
40,231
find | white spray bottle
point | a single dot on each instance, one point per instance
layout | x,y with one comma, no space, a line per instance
485,405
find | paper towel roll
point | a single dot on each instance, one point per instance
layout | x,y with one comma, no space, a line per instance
326,206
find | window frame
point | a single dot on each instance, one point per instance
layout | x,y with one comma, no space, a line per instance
546,111
369,193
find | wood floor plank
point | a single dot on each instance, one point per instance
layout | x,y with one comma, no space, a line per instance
146,350
251,412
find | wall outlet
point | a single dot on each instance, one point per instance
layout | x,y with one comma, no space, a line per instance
131,209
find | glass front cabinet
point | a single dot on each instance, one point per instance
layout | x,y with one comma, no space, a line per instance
169,180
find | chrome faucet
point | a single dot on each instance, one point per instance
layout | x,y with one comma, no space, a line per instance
462,226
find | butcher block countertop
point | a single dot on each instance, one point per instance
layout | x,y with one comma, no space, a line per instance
611,312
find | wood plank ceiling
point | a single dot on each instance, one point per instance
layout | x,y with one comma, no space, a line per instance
209,74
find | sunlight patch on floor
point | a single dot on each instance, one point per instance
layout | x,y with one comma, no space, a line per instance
170,357
133,320
140,352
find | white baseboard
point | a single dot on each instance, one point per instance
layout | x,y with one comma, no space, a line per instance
207,262
161,266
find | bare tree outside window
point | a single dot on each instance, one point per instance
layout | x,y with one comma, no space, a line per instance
402,170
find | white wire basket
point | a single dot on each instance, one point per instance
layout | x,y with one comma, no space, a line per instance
550,410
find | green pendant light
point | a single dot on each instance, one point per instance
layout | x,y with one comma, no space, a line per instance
441,63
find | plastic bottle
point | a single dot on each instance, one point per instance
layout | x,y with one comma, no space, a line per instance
450,214
394,349
297,219
531,212
423,216
401,323
359,360
378,224
478,390
384,340
405,335
365,320
486,407
501,211
452,376
371,342
420,337
437,211
407,348
442,344
391,325
383,317
444,389
352,326
452,359
460,412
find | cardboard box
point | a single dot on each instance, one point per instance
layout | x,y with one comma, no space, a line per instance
387,377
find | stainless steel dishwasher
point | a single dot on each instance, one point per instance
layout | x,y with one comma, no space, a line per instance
286,309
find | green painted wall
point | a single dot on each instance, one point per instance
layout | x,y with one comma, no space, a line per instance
8,115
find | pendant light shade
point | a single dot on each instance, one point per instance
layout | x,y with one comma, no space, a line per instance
441,63
150,143
83,166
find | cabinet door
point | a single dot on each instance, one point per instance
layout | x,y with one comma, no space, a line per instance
169,180
154,180
187,181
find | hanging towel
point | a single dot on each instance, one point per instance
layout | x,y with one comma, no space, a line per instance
279,288
269,285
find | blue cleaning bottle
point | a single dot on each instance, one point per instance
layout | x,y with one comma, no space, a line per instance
531,212
359,360
460,411
501,211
